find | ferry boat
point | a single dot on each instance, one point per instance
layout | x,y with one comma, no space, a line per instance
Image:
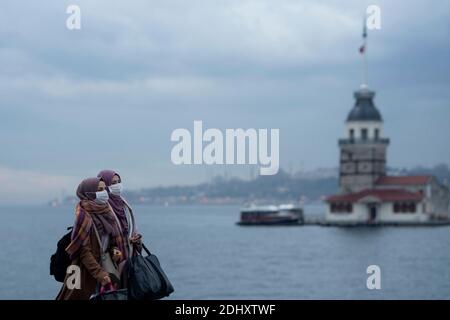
271,215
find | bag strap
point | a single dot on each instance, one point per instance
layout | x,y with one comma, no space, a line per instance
98,237
100,289
145,248
133,222
110,287
133,226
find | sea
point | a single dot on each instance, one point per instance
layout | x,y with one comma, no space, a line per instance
207,256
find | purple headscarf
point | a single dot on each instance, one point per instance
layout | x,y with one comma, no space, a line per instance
105,223
87,212
87,188
115,201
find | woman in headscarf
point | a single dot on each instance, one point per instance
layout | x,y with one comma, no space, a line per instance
122,210
95,232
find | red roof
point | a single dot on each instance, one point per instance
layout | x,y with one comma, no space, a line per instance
388,195
403,180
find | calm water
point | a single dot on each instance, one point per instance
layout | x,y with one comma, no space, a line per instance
207,256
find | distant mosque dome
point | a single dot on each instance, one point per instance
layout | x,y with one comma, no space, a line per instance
364,109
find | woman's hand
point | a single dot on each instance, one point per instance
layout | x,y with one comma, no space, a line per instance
136,239
106,280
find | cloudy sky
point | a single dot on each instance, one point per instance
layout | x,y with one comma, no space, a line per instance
109,95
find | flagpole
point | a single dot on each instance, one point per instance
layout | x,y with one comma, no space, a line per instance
365,63
365,84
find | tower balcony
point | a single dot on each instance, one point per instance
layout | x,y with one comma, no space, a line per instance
343,142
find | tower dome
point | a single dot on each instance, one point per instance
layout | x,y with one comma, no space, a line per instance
364,109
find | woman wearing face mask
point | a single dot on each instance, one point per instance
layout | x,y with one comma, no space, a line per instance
94,223
122,210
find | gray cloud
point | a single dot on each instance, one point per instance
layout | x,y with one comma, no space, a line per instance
110,94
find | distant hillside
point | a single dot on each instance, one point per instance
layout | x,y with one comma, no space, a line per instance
280,187
441,171
308,187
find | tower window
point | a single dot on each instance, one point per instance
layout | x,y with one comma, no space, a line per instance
364,134
377,134
352,134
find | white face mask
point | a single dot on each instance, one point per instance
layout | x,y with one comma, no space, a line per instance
116,189
101,197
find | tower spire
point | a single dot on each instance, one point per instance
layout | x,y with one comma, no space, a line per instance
363,51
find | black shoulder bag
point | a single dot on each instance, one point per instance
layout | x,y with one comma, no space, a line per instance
146,278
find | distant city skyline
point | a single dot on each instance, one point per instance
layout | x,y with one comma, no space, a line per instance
110,94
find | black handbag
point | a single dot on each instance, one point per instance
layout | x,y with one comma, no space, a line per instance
146,278
110,294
